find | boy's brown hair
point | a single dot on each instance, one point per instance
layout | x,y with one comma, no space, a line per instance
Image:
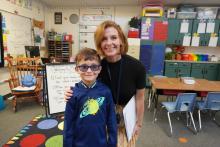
87,54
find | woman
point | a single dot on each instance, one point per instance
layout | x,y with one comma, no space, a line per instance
124,75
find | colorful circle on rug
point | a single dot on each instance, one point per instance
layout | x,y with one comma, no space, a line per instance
23,131
15,138
55,141
33,140
18,135
47,124
60,126
10,142
32,123
26,128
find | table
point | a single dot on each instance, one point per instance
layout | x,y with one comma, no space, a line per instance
165,83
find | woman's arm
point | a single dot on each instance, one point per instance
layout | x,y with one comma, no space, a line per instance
139,101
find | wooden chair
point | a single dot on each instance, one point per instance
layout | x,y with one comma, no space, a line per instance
18,68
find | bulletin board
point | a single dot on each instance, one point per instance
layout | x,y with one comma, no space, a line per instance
59,77
18,33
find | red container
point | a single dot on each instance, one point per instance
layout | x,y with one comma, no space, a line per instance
185,56
68,38
133,34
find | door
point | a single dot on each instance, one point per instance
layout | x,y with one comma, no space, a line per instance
197,70
171,69
173,30
157,58
211,71
197,26
184,69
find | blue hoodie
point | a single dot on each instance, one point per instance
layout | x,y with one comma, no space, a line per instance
90,119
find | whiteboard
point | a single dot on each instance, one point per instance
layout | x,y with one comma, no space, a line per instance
59,77
18,33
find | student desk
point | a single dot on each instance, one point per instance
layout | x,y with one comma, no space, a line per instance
165,83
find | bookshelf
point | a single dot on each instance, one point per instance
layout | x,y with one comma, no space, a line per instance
58,48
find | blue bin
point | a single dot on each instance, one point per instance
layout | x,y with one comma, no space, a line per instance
2,104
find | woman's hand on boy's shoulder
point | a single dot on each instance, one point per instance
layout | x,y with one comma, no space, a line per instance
67,95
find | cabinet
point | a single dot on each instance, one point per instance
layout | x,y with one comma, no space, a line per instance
219,72
174,34
177,69
61,50
175,37
152,56
205,37
207,71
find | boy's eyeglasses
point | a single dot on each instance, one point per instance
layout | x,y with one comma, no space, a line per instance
84,68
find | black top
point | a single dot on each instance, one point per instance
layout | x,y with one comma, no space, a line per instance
133,77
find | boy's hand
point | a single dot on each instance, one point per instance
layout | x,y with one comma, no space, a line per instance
68,93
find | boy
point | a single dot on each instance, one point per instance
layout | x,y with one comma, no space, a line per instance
90,119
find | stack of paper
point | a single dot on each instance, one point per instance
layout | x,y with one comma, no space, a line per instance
188,80
129,113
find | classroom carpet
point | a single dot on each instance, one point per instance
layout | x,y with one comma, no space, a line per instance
41,131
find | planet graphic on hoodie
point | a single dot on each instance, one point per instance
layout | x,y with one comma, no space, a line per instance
91,106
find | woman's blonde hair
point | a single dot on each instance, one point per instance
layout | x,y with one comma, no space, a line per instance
99,35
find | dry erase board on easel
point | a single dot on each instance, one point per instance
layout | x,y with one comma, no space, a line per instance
59,77
19,33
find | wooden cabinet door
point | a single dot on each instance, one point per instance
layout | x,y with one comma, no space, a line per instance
184,69
173,31
197,70
211,72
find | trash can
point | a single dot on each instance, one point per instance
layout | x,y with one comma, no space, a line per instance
2,104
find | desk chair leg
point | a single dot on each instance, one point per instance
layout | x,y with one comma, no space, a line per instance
155,115
200,123
193,121
187,119
171,129
149,98
155,108
215,119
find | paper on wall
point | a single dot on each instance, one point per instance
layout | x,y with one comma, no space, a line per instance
186,40
184,27
201,27
213,41
210,27
195,41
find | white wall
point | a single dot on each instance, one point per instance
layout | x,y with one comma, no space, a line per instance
37,12
66,26
124,13
122,16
